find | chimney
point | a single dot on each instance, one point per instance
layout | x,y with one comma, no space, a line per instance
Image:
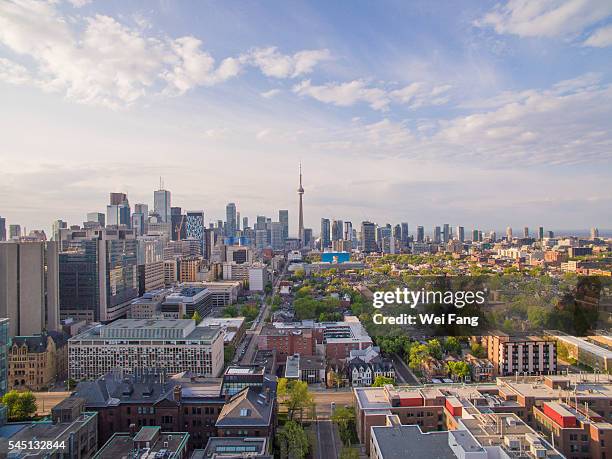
177,393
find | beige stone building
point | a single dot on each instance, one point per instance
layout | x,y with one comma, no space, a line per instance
36,362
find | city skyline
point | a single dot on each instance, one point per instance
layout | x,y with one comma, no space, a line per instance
463,114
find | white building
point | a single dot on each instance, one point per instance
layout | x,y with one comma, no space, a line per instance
258,278
133,345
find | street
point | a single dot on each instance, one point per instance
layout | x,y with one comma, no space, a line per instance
328,442
402,372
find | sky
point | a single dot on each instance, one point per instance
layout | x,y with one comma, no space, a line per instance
472,113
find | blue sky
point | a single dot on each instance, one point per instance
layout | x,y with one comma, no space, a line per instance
480,114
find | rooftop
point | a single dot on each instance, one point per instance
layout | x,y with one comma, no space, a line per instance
394,441
158,443
235,446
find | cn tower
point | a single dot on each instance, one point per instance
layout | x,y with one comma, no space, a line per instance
301,213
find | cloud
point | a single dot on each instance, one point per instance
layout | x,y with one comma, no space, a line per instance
546,18
274,64
98,60
271,93
79,3
601,38
346,94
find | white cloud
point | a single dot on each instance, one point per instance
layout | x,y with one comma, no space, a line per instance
546,18
271,93
274,64
414,95
79,3
13,73
601,38
100,61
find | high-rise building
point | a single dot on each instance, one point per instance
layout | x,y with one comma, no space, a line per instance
594,233
179,225
437,235
97,217
237,221
245,222
118,211
276,236
56,227
98,274
162,202
337,230
368,237
195,227
348,231
117,198
2,229
446,233
461,233
230,219
283,218
526,232
307,242
475,235
541,233
139,218
14,231
29,286
509,233
404,234
4,344
301,210
260,223
150,261
397,232
325,233
420,234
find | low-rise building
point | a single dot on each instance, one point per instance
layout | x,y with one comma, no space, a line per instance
234,447
37,362
310,369
149,442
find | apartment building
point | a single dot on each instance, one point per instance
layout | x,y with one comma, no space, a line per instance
512,355
133,345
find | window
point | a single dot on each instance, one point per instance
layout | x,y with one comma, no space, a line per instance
244,412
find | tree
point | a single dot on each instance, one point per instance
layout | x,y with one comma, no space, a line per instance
249,312
460,369
230,311
197,317
344,418
70,383
349,453
381,381
298,398
434,348
478,351
293,440
228,353
20,406
281,388
452,345
418,353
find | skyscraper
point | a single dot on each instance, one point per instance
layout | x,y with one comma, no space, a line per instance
446,233
541,233
475,235
118,211
325,233
301,210
179,226
97,217
404,234
162,201
526,232
437,235
2,229
56,227
509,233
337,230
461,233
368,237
594,233
14,231
195,227
139,218
245,222
276,236
29,293
283,218
348,231
420,234
237,221
230,219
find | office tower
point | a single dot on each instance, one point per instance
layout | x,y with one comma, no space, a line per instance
260,222
541,233
283,218
368,237
237,221
348,231
117,215
446,233
245,222
162,202
139,218
307,237
461,233
594,233
509,233
437,237
2,229
397,232
55,229
337,230
98,274
97,217
179,227
420,234
404,235
551,234
29,286
276,236
194,224
526,232
150,261
230,219
325,233
475,234
117,198
301,210
14,231
261,238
